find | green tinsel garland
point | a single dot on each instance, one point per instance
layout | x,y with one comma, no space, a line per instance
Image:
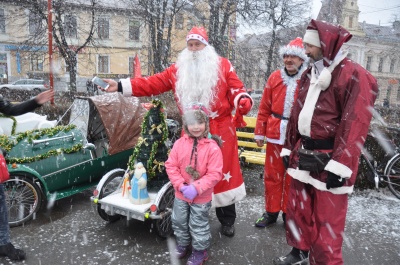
14,126
56,152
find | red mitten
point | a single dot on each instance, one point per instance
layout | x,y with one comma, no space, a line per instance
244,105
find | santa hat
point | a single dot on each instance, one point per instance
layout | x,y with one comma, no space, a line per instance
296,48
198,33
312,37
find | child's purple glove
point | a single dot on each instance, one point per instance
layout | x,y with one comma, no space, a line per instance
189,192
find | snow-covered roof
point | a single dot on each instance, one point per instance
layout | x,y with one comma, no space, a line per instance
382,33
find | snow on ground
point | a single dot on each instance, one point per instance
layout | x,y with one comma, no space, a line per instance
72,233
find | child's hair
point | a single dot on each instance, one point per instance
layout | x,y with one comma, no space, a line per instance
195,115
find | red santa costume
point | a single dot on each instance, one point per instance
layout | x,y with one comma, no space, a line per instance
204,77
332,114
276,104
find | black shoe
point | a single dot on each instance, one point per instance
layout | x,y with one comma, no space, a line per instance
11,252
291,259
228,231
267,219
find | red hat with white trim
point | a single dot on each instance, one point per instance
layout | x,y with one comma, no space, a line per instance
198,33
296,48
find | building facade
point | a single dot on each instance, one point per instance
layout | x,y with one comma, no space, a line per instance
119,35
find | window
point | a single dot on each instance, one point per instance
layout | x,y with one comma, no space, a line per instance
131,62
380,66
369,61
179,21
103,64
392,64
70,26
350,22
37,62
2,21
103,28
35,23
134,31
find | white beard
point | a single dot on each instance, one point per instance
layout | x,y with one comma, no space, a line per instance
197,77
139,172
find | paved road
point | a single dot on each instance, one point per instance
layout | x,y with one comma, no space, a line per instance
72,233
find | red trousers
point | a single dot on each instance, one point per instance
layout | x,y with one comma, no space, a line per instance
276,181
315,221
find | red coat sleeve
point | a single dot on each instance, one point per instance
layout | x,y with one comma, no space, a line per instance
152,85
264,111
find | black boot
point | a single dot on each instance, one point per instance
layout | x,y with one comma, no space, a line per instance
295,257
284,218
11,252
267,219
228,230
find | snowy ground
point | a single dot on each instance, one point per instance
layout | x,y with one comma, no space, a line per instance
72,233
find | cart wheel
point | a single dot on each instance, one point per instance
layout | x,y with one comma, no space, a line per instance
164,225
110,185
23,199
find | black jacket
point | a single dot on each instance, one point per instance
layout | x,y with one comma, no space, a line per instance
11,109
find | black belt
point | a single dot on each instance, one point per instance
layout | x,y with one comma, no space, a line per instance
312,144
276,115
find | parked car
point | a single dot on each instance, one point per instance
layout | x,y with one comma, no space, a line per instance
54,163
257,94
35,85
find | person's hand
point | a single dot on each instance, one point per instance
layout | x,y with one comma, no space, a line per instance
44,96
189,192
334,181
244,105
113,85
285,160
260,143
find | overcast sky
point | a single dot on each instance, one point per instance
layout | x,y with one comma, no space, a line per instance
372,11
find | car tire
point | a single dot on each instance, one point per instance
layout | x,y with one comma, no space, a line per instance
110,185
23,199
164,225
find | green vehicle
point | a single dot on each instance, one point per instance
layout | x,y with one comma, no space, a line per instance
54,163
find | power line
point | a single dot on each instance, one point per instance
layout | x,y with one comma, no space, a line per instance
379,10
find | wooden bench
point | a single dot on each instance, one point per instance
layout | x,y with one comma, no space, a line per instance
249,152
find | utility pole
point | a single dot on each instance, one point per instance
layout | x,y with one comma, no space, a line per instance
50,32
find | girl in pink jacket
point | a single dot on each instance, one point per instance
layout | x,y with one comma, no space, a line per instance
194,167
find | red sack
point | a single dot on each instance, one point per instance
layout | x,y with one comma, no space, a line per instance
4,175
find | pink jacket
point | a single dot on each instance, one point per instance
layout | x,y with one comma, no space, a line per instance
209,165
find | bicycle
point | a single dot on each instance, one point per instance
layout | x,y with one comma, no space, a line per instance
385,172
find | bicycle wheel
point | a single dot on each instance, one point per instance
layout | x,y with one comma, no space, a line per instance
111,185
23,199
164,225
392,174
